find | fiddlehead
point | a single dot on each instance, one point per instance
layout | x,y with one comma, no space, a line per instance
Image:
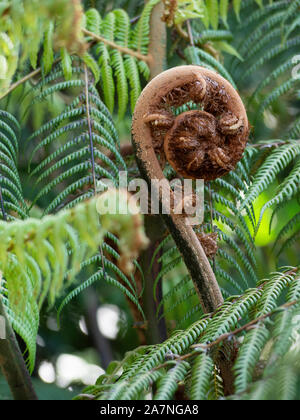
204,143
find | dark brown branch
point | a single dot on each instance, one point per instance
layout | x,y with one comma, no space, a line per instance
12,364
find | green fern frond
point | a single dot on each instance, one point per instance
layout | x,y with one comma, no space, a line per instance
277,93
203,368
228,319
270,55
168,384
11,195
272,291
62,241
282,69
79,156
249,355
48,54
201,375
287,190
93,21
294,131
213,13
211,35
140,36
288,227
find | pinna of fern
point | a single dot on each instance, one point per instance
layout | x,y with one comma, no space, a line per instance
76,141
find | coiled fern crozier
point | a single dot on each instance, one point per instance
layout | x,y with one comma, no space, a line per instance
72,74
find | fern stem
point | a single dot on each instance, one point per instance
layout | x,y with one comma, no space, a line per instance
246,327
112,44
24,80
20,82
90,126
157,330
13,365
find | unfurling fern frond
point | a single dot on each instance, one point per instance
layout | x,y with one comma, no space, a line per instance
11,195
49,248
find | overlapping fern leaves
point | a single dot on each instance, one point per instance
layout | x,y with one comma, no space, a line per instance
188,358
76,141
40,258
120,72
82,150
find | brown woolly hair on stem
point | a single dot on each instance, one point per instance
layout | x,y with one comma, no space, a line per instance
205,143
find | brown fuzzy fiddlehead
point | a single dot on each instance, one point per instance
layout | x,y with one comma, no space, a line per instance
203,143
206,143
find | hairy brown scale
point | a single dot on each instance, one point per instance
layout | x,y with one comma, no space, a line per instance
209,243
201,144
